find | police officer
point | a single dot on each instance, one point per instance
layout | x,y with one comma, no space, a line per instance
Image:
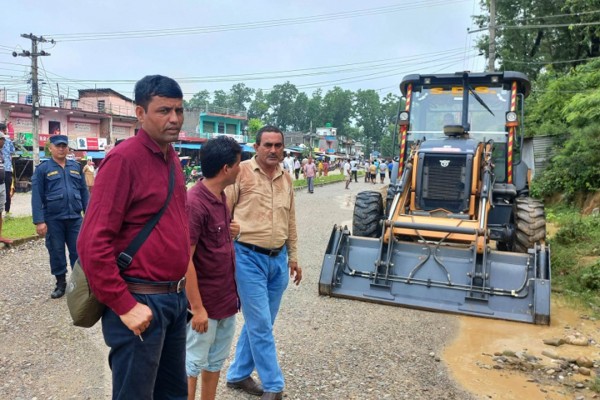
59,195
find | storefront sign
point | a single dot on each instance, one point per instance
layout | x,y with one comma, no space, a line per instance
92,143
81,127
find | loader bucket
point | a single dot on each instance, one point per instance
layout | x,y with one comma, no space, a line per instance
448,278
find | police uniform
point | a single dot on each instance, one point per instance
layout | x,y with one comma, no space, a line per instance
59,195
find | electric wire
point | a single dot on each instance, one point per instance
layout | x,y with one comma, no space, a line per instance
149,33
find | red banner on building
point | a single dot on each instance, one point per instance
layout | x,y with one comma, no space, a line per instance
92,143
43,138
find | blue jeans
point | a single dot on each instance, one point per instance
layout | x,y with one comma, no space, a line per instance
61,232
311,184
153,368
261,281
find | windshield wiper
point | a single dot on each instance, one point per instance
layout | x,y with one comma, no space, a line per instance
480,100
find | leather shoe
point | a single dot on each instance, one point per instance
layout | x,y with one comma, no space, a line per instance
247,385
59,291
272,396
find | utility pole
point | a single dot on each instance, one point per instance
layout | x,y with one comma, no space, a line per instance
492,26
35,97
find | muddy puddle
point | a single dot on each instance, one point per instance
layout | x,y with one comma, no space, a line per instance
470,355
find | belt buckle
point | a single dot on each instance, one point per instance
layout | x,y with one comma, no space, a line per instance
181,285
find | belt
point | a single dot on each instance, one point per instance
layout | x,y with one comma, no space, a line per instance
157,287
262,250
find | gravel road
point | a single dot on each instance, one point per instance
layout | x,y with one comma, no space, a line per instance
328,348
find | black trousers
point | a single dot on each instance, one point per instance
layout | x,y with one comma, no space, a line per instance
8,177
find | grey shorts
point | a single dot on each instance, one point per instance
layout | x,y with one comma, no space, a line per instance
2,197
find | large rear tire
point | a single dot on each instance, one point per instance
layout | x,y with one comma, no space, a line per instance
530,224
368,212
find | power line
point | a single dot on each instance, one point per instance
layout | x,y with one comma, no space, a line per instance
149,33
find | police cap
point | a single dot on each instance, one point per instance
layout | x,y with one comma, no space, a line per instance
59,139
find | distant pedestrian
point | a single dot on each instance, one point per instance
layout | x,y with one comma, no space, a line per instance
310,171
346,169
390,165
297,168
326,166
354,169
373,172
58,198
6,153
3,193
211,288
382,170
367,172
89,171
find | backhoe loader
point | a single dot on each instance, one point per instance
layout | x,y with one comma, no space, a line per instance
457,230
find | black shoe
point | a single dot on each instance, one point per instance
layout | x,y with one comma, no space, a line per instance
247,385
272,396
59,290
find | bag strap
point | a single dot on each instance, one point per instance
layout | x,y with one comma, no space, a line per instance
126,256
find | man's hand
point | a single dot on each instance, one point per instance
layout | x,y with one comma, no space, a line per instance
137,319
295,272
41,229
234,229
200,320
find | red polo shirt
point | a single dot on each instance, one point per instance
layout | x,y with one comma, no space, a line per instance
131,187
214,258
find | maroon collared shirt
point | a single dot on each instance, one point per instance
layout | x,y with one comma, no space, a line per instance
131,187
214,258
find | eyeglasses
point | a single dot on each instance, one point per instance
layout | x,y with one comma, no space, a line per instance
271,145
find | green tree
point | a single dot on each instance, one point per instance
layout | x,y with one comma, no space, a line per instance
314,113
220,99
239,96
369,114
337,108
282,99
523,47
301,121
571,104
259,107
254,124
198,100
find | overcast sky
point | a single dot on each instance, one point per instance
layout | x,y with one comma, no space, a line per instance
311,43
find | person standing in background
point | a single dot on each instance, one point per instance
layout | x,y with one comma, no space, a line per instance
58,197
89,171
310,171
7,151
2,188
297,168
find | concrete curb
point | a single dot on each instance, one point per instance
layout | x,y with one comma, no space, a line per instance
19,241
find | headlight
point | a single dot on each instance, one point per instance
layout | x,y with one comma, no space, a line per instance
511,116
404,116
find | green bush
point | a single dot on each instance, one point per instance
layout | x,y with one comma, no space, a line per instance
590,277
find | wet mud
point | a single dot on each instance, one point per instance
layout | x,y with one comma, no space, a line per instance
469,356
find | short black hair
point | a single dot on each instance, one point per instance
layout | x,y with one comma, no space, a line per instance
156,85
268,128
218,152
2,127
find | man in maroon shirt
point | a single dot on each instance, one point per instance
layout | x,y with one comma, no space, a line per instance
211,289
147,297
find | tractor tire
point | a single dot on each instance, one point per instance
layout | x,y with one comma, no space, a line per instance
530,224
368,212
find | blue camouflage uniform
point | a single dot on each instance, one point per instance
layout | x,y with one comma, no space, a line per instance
58,198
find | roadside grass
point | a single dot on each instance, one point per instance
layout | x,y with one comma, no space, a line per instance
18,227
324,179
575,256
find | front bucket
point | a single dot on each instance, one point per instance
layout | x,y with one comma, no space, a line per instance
502,285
